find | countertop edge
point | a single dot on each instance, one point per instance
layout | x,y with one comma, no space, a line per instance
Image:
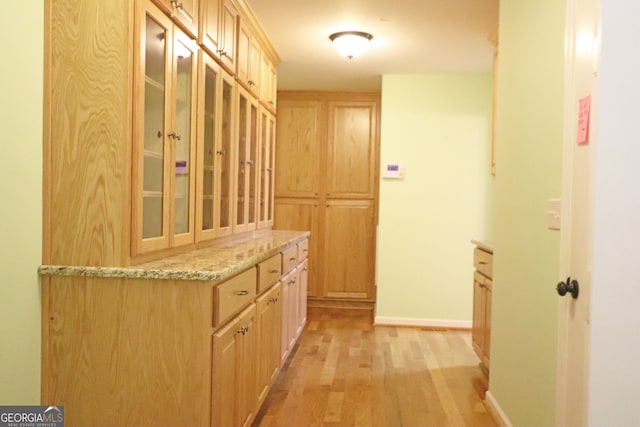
484,245
142,272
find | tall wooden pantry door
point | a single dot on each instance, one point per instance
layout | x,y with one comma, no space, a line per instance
327,160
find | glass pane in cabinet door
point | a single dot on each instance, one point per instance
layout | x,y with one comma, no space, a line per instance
153,162
242,154
208,178
263,169
182,138
270,169
253,147
225,155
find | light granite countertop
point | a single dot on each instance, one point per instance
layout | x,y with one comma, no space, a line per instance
484,245
215,263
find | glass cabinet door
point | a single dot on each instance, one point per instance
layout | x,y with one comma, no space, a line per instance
246,156
241,174
164,136
182,136
263,203
152,180
267,157
207,152
224,154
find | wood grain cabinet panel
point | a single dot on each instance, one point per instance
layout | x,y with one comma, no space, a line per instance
299,150
269,308
351,150
328,157
482,292
349,264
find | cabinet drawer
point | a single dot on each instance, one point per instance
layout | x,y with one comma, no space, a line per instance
233,295
303,250
289,258
269,271
483,262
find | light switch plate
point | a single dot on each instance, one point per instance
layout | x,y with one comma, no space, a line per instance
553,214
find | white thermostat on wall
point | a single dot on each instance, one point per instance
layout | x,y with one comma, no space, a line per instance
393,171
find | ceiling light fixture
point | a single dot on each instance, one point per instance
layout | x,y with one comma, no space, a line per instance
350,43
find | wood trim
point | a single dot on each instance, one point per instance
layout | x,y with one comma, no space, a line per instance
45,354
46,133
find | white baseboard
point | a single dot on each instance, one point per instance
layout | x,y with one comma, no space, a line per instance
429,323
496,411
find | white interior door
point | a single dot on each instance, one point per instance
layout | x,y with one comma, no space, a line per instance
582,45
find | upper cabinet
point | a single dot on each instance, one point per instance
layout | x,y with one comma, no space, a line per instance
300,143
351,149
246,163
164,142
267,167
144,152
218,23
214,176
184,13
249,60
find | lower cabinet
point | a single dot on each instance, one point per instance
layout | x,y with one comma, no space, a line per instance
269,308
234,352
142,351
482,290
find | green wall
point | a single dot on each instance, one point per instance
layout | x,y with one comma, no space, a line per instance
529,160
21,29
438,127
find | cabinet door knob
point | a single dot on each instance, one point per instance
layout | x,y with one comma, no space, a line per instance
177,4
249,162
221,152
175,136
274,271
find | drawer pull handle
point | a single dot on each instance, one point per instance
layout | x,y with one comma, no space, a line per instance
292,281
482,262
292,259
242,293
274,271
305,250
243,330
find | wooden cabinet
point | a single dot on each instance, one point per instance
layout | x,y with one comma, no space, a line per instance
184,13
268,81
269,307
218,20
164,149
294,297
246,155
249,60
192,352
349,267
234,371
139,147
214,175
327,161
266,169
482,289
303,274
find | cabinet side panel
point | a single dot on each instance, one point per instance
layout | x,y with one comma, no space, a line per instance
89,134
129,352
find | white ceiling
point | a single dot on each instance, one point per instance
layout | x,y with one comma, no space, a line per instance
409,37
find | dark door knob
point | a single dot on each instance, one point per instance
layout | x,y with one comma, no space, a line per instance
570,286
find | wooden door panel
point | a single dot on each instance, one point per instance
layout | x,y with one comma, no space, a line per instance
351,155
299,147
349,261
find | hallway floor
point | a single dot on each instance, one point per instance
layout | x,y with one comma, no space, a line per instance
346,372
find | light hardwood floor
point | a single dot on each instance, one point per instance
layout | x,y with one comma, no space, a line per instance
346,372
